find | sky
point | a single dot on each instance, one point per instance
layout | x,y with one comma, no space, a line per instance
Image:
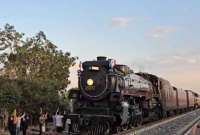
155,36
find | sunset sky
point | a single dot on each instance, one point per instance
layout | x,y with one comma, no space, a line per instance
156,36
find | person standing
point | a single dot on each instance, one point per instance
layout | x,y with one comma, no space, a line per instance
24,124
18,124
42,120
15,119
59,122
66,122
5,119
11,125
40,123
54,120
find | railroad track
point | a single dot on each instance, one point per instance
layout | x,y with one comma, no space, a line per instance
176,125
194,130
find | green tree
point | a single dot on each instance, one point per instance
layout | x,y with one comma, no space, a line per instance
9,40
36,59
36,69
29,96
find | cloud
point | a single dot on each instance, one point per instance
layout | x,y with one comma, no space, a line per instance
183,59
161,32
183,78
168,63
181,69
120,21
178,60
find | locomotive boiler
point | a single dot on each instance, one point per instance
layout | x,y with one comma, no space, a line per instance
112,95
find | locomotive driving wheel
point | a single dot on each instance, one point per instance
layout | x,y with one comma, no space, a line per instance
107,129
97,129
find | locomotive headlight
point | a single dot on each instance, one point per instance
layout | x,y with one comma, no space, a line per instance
90,82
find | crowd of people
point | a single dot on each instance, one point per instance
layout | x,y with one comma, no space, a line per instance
18,122
59,123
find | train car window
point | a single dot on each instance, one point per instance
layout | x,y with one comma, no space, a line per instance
171,94
130,82
168,92
160,85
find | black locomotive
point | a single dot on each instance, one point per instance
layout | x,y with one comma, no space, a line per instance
112,98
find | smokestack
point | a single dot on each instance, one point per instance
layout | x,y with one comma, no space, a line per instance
101,58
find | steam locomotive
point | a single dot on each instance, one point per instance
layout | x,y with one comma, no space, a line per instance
112,98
